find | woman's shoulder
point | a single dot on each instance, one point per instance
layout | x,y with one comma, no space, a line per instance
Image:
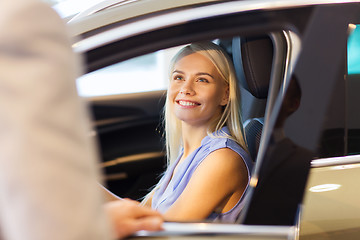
223,163
219,142
228,146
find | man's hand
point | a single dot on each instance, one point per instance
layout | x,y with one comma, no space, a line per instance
127,217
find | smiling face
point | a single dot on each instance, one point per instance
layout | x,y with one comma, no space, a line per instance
197,92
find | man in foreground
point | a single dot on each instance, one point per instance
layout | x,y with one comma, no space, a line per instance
48,169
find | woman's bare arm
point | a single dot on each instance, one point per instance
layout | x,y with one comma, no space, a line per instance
219,181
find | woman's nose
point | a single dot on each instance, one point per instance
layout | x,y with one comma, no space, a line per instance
187,88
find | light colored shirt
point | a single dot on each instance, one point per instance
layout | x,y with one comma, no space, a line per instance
48,169
170,189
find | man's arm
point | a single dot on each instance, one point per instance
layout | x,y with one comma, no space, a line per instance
48,168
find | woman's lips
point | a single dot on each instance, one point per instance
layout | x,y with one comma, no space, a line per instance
186,103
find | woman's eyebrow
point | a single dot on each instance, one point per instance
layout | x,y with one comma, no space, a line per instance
205,73
197,74
178,71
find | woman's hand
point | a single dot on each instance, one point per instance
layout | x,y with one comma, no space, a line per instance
127,217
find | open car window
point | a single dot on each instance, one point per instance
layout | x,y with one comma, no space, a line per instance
134,121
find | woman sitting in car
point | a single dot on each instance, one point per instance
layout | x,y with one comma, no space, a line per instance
209,165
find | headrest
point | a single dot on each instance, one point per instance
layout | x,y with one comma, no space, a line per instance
253,57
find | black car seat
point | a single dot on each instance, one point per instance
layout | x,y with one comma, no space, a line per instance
253,130
253,57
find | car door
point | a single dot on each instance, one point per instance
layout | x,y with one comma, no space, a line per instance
315,72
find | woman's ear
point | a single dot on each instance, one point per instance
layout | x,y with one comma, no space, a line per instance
225,99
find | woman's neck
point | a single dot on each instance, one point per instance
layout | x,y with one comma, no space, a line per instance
192,137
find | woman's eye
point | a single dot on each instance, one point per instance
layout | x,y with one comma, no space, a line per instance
179,78
203,80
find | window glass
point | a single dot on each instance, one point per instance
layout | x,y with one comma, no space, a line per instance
353,88
333,142
341,135
141,74
354,50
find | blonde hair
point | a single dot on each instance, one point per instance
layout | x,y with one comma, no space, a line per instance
231,115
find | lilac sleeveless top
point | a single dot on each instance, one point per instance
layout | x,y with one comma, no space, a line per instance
168,191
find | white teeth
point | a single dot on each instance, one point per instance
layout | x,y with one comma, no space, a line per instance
183,103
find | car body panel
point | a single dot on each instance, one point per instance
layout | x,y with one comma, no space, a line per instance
131,8
332,199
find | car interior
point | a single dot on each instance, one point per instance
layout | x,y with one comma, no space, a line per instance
129,128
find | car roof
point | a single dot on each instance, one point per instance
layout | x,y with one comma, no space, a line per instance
138,7
111,11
